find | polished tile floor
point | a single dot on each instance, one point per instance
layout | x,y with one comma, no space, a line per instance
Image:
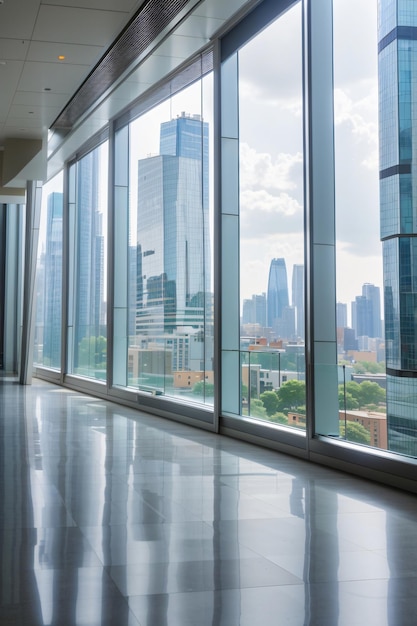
110,516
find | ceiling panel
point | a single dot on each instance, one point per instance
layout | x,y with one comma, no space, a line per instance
74,25
9,75
37,98
22,132
13,49
78,54
39,114
105,5
54,76
17,18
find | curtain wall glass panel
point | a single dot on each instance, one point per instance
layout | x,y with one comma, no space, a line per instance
87,322
263,226
48,288
163,223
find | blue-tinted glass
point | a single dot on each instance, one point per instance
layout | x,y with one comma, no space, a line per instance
47,341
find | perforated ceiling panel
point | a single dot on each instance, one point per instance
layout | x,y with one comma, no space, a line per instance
152,18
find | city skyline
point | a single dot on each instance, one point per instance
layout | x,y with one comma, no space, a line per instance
369,293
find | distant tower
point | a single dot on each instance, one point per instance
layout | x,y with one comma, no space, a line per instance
341,315
89,253
254,310
373,295
53,282
298,298
277,296
366,312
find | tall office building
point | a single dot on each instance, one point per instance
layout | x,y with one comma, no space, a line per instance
397,55
175,260
277,295
362,317
298,299
188,136
52,291
254,310
89,254
366,312
341,315
372,294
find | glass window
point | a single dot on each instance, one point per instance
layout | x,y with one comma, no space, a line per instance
47,339
272,223
88,271
360,293
169,295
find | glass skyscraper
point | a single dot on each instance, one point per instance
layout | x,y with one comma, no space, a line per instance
397,51
277,296
89,300
53,282
173,297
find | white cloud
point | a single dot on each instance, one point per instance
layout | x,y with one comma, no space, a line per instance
360,115
270,193
260,170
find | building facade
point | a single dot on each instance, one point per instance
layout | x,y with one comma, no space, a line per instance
52,291
173,289
398,178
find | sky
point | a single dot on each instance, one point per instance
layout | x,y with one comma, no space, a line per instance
272,153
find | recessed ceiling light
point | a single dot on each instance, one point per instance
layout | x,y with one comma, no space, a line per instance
61,57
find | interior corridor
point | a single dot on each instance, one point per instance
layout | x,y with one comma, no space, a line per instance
112,516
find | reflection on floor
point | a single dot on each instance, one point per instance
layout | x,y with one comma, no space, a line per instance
109,516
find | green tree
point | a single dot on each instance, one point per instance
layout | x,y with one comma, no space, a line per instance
371,393
202,388
279,418
368,367
291,394
351,402
244,390
355,432
354,389
270,401
257,409
92,352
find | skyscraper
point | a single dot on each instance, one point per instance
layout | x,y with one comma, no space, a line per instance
341,315
277,295
89,254
397,57
254,310
372,294
52,291
175,260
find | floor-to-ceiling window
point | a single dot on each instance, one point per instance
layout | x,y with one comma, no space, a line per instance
87,314
48,318
360,293
163,220
265,144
